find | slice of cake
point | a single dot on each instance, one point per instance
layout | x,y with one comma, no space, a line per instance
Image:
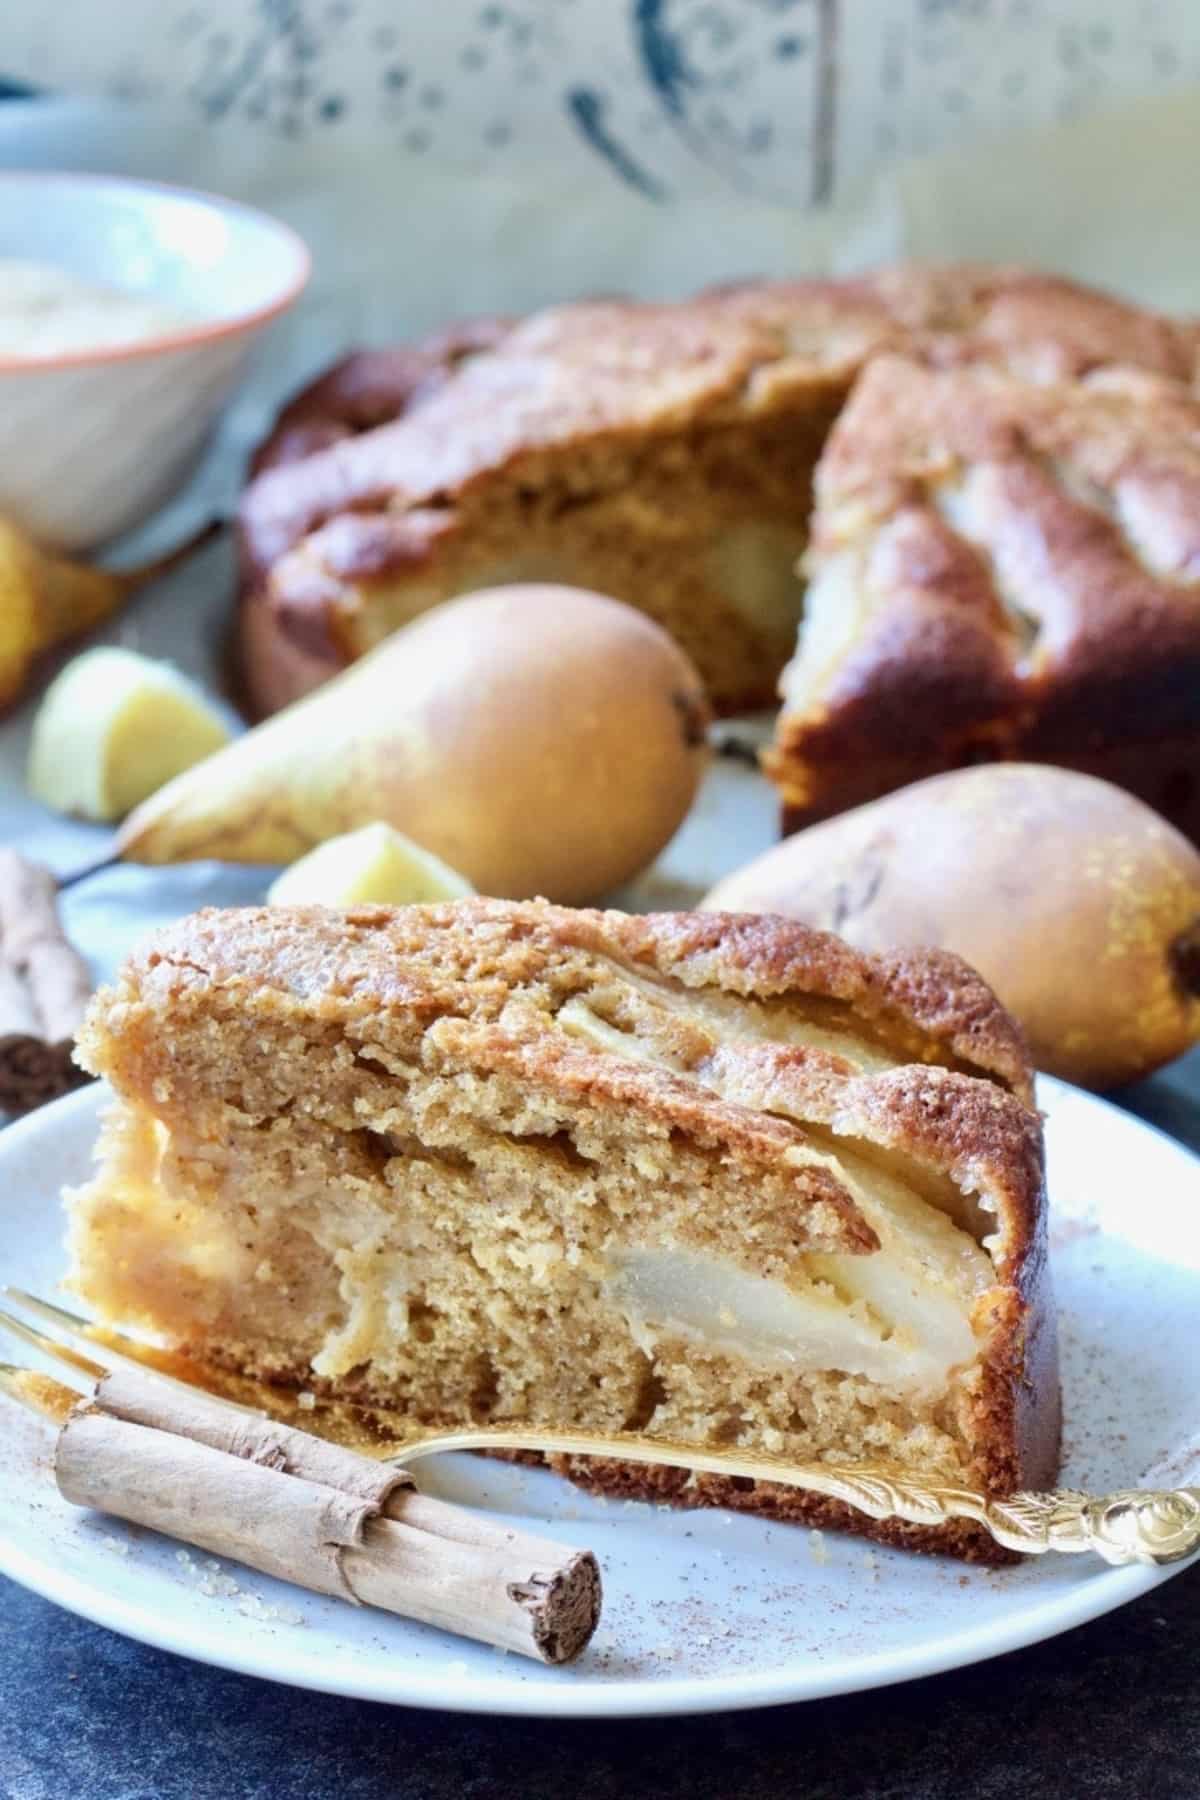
1000,568
713,1176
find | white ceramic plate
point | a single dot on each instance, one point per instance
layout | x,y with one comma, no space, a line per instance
704,1611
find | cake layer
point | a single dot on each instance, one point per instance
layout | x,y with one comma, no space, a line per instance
717,1177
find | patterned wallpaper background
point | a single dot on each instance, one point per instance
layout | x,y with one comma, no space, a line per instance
783,99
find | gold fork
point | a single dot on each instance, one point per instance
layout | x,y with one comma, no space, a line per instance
1132,1525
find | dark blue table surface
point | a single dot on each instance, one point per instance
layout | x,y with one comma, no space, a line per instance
1107,1711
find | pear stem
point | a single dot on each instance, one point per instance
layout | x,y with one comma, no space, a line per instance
74,877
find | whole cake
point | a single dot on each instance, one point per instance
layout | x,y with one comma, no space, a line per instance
659,453
712,1176
1000,568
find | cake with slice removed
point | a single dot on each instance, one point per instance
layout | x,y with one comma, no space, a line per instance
1001,570
711,1176
661,453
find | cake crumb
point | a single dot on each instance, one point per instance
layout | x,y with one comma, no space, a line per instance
306,1400
816,1547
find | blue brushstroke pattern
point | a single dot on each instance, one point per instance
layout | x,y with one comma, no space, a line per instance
699,59
667,72
586,107
677,83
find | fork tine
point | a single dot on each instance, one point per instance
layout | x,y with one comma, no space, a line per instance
39,1393
68,1329
70,1332
49,1346
66,1321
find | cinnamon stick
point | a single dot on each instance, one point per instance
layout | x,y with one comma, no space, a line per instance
316,1514
45,985
171,1406
280,1525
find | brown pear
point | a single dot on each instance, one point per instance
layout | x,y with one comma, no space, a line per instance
540,740
1076,902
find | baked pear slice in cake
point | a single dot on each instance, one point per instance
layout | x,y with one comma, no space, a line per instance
714,1176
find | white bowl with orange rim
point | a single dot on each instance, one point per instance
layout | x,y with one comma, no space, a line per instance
128,312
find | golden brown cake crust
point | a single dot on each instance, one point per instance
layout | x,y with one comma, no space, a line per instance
382,955
1024,562
934,992
567,376
575,371
479,986
369,388
566,404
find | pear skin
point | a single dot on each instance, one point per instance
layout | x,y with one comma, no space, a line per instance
539,740
46,599
1076,903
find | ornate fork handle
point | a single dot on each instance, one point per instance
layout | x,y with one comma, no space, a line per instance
1134,1525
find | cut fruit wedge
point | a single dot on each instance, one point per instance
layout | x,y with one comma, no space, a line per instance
113,728
374,863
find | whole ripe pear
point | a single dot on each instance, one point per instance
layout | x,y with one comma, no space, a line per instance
539,739
1076,902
